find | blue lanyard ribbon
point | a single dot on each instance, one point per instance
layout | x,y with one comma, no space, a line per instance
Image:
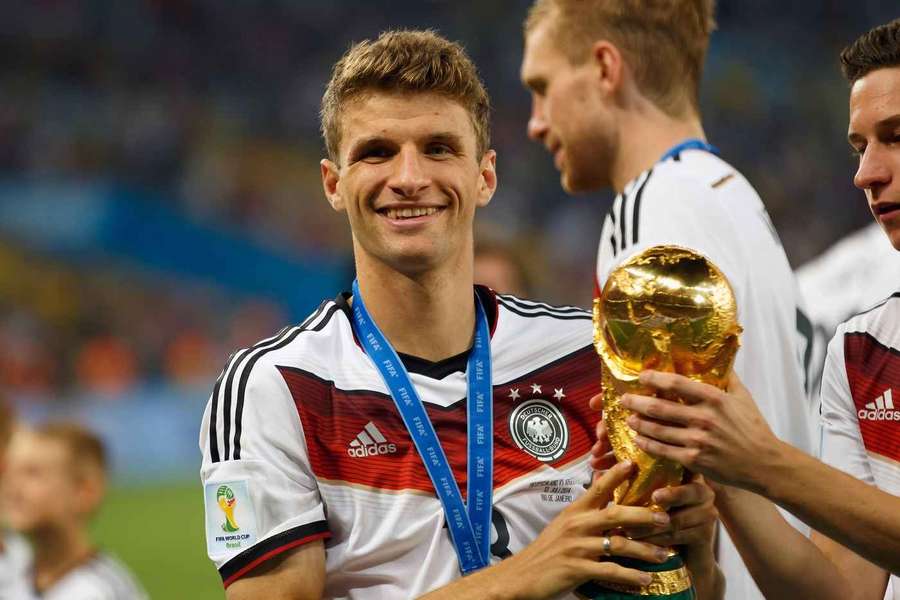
689,144
469,525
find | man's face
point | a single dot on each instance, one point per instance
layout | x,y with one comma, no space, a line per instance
409,179
568,115
39,488
874,133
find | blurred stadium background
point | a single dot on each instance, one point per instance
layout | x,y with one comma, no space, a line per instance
160,202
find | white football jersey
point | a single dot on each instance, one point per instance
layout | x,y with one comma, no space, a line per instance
15,568
855,273
698,201
861,401
302,441
101,578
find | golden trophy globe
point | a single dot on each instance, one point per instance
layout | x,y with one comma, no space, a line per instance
669,309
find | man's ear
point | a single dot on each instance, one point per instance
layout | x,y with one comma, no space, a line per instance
609,66
487,180
331,176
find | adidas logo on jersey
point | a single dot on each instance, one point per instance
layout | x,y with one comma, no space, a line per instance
370,442
881,409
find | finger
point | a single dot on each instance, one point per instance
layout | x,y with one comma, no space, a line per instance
644,533
606,571
676,436
622,546
601,491
704,515
602,462
596,402
689,494
684,456
616,516
656,408
704,534
601,431
688,390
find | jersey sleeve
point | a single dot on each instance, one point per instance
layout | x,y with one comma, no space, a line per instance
260,495
842,445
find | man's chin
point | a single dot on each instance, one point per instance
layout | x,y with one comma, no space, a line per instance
574,185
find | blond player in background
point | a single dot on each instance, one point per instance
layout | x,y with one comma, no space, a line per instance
54,483
615,100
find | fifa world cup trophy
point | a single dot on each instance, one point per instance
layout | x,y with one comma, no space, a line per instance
669,309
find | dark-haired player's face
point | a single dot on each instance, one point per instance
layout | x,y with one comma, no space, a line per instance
874,133
409,179
567,115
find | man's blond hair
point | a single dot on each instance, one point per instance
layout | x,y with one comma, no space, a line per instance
85,450
664,42
405,61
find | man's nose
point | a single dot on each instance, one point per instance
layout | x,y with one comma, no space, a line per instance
537,123
874,169
409,177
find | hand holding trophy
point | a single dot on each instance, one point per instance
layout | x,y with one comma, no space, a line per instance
669,309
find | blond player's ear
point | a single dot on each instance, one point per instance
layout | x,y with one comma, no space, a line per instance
609,66
487,181
331,176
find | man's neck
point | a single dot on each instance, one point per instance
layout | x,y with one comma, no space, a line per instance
429,315
647,133
56,552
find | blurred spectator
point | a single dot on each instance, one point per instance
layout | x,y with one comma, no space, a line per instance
501,267
214,110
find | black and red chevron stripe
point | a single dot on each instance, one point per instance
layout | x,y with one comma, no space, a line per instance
872,368
332,418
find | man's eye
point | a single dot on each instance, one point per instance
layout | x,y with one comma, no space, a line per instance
439,149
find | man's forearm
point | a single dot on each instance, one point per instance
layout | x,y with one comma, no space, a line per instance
851,512
783,562
707,577
487,584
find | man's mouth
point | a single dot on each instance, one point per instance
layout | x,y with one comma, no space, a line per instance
883,209
409,212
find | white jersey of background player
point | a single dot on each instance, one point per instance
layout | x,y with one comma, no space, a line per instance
609,107
852,275
15,561
300,434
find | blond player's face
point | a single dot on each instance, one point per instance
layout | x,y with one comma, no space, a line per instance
874,133
410,179
39,489
567,114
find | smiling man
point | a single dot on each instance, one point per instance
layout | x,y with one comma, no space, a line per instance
852,499
421,428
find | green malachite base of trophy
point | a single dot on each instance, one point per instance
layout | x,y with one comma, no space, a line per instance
670,582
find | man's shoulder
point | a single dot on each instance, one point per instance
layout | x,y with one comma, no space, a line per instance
880,322
307,345
532,335
699,181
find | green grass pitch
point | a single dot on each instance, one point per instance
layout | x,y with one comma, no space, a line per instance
157,530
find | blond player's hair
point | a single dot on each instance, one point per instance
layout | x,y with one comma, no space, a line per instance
664,42
405,61
85,450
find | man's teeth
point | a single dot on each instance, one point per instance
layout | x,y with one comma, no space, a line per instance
410,212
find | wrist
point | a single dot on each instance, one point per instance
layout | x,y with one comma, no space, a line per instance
778,463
